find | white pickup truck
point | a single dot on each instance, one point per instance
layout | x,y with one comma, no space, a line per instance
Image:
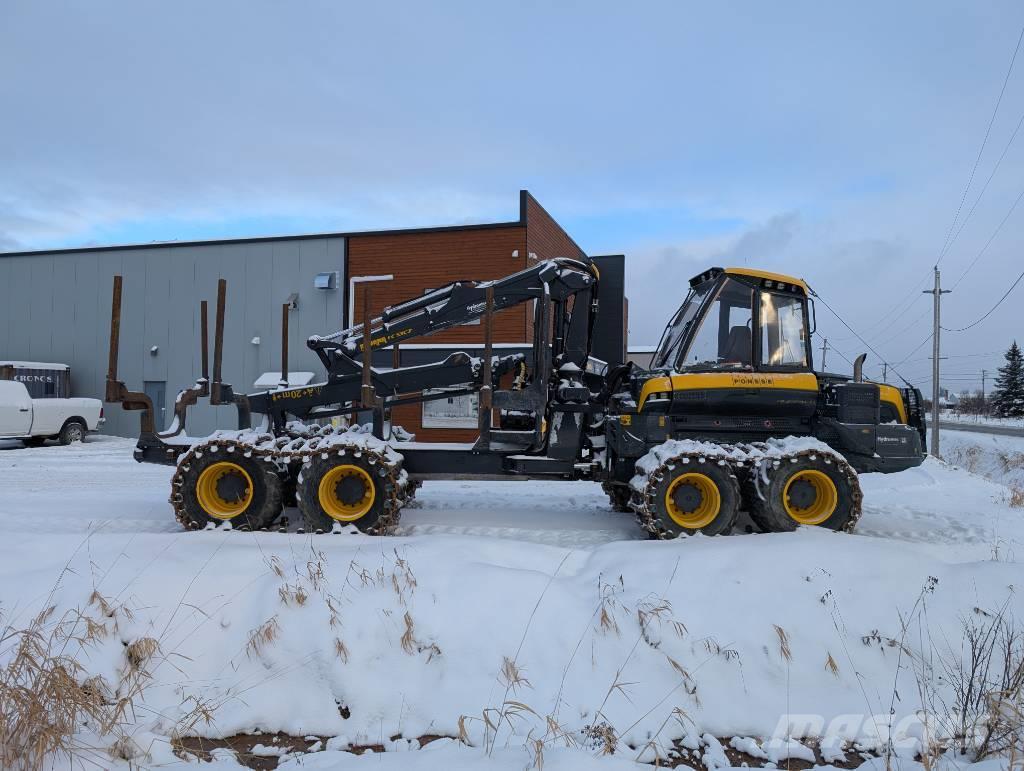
33,421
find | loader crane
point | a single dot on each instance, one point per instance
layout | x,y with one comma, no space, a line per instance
730,417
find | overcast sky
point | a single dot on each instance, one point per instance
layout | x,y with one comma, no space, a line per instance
829,140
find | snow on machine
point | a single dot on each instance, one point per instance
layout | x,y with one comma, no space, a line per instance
731,415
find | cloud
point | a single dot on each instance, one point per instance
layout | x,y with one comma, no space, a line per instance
658,279
741,132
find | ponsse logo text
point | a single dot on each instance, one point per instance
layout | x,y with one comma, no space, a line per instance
753,380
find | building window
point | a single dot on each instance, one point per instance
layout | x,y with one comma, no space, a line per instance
457,411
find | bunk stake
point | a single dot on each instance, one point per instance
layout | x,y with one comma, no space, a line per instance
113,392
204,330
284,346
484,415
367,394
218,341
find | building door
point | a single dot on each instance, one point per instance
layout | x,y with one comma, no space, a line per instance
156,390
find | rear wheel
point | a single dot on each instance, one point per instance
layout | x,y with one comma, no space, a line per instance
344,488
807,490
218,487
73,431
696,496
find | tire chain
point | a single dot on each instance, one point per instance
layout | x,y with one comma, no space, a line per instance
296,446
643,503
841,464
748,470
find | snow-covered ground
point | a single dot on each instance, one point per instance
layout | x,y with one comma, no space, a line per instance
996,457
530,605
981,420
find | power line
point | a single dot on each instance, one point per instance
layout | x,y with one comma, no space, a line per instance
951,235
985,186
916,349
961,356
992,309
852,330
990,240
981,150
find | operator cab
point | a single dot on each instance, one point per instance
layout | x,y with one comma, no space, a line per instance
738,320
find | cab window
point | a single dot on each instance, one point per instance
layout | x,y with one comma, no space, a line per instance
783,331
724,339
675,333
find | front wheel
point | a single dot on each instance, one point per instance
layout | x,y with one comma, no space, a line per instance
811,490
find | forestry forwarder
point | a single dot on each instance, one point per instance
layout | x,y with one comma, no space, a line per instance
730,417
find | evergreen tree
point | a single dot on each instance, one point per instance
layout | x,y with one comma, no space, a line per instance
1008,399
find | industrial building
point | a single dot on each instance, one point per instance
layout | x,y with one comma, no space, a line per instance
55,306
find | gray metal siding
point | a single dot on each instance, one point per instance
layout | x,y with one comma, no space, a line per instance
56,307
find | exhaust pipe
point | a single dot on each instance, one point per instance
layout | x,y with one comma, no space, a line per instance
858,368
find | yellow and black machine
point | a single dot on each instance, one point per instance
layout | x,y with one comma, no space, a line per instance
729,417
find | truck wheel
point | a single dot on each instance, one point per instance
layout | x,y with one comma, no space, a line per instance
223,487
73,431
34,441
698,497
343,488
807,491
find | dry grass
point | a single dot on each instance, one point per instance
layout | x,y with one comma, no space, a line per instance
341,650
42,703
513,675
140,652
1011,461
784,649
49,706
1016,497
987,677
408,639
831,665
966,457
292,595
262,636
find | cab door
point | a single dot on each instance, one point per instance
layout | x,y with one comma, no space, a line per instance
15,409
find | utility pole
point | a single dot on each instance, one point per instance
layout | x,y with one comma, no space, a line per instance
885,372
984,411
824,350
936,293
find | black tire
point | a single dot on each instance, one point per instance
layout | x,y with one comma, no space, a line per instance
675,479
619,496
264,503
350,471
34,441
769,509
73,431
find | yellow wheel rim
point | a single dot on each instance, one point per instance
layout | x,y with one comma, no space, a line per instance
341,495
707,502
224,490
823,503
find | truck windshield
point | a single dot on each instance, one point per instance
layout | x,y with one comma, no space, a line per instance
675,332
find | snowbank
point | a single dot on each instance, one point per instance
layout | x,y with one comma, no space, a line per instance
363,639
